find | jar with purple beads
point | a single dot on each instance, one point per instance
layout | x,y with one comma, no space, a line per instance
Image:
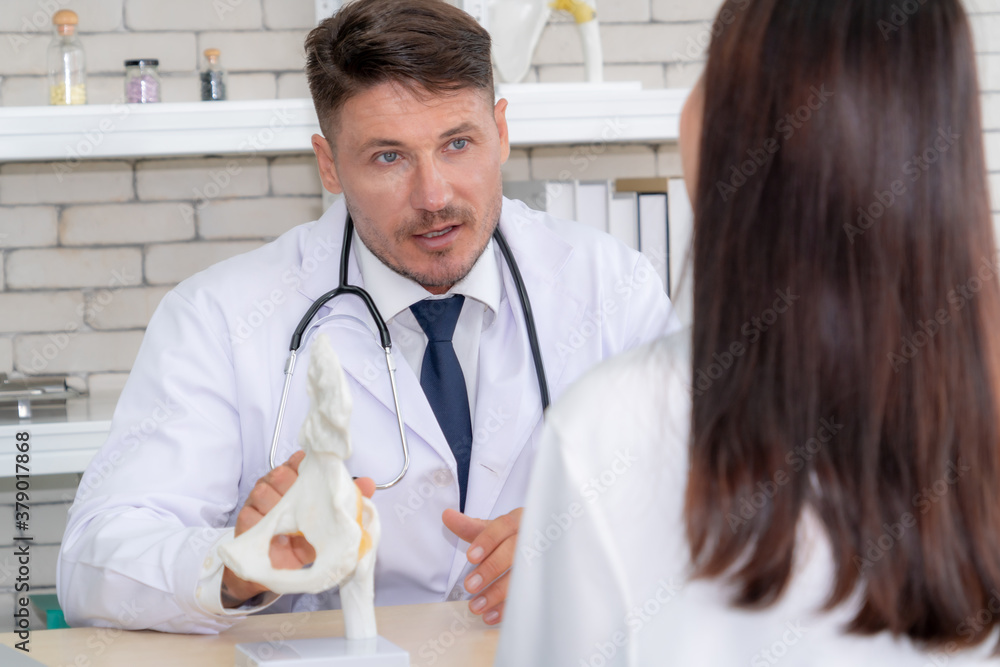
142,81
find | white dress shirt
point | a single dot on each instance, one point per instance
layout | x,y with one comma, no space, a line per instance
393,295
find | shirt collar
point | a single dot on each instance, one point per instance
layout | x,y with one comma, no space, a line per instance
393,293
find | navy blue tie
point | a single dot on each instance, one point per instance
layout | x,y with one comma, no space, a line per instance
443,381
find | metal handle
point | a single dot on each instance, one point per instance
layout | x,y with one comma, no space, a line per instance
289,368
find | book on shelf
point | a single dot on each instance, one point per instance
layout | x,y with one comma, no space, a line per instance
594,203
633,210
623,218
652,221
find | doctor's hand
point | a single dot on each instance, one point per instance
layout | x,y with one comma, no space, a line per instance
491,546
287,552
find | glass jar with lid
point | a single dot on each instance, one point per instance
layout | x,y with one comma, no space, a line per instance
142,81
67,70
213,77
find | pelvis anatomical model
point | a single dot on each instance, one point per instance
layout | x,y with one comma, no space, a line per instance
325,505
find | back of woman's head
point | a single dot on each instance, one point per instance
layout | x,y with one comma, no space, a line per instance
845,312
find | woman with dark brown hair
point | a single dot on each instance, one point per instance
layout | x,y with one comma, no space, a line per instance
810,474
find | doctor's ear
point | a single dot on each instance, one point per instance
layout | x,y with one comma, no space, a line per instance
327,167
500,116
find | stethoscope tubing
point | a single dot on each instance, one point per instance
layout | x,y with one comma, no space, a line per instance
386,341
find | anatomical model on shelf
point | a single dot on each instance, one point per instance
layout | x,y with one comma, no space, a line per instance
516,25
325,505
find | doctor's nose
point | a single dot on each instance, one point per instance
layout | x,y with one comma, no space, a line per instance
430,190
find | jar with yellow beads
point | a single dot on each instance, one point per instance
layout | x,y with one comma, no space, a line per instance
67,67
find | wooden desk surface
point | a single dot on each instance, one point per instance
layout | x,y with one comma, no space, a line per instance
442,634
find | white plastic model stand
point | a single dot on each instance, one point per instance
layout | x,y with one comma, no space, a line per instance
324,651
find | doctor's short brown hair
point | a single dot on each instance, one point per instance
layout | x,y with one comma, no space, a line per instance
427,46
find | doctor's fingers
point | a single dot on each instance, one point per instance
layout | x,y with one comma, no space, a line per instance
493,567
262,499
290,552
497,532
284,476
367,486
271,487
467,528
491,602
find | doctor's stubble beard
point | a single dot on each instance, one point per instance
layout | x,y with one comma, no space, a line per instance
427,220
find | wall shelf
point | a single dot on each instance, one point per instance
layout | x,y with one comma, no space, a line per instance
538,115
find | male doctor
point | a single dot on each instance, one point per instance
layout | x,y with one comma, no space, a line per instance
412,138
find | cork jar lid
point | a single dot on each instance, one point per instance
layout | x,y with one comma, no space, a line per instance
212,53
65,17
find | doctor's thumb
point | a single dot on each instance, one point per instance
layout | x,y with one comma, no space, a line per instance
464,526
367,486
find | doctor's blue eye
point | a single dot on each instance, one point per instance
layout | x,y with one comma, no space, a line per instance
459,144
387,158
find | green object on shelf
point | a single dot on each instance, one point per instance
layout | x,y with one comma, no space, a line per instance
48,606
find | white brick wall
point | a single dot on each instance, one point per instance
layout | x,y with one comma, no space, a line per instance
107,52
6,355
255,218
285,14
24,53
989,71
119,224
991,111
295,176
592,162
986,29
31,16
685,10
53,268
177,87
202,180
40,311
76,351
84,262
248,87
127,308
623,11
26,226
651,76
993,150
168,264
148,15
293,86
982,6
65,182
255,51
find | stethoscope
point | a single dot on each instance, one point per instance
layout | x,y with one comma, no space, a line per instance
386,342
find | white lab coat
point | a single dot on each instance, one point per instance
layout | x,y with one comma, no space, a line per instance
602,569
191,433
